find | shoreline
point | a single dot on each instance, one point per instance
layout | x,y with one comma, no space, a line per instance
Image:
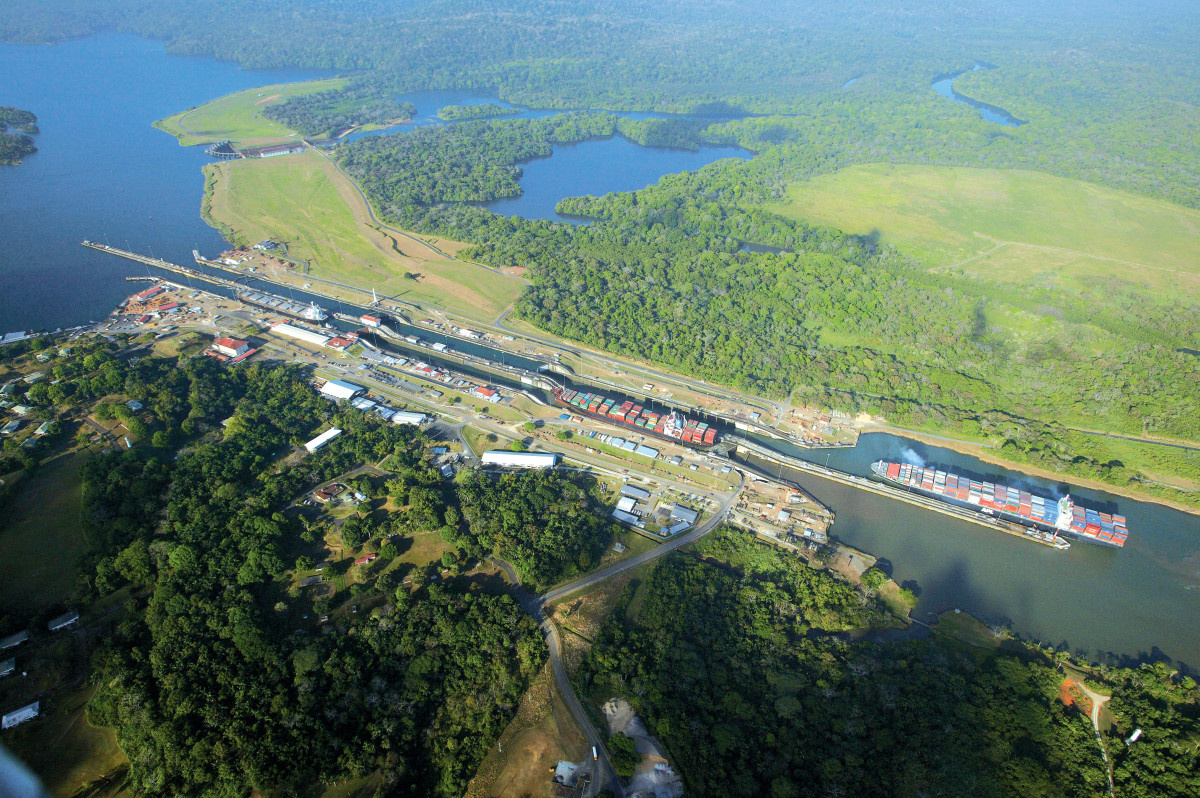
981,451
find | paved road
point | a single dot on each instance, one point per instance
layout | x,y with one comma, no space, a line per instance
603,777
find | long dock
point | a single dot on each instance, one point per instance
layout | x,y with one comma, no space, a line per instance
863,483
159,263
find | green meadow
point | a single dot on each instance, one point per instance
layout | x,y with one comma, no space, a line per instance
238,117
1009,225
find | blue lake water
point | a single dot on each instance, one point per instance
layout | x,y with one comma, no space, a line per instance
598,167
944,85
101,171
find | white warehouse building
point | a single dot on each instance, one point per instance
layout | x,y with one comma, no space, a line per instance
337,389
405,417
300,334
322,439
500,457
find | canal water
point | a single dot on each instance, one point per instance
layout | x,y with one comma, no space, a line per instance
1138,601
944,85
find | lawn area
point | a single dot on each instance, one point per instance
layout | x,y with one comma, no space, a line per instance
1008,225
40,538
66,751
238,117
303,200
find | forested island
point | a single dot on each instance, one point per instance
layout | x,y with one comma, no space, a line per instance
458,113
16,145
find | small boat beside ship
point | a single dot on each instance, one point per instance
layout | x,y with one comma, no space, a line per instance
310,312
1041,514
672,426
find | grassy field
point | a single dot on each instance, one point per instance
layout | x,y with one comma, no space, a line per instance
42,518
1009,225
238,117
304,201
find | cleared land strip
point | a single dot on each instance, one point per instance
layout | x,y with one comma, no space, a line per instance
1062,250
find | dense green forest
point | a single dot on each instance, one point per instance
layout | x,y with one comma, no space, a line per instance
467,162
15,146
718,664
460,113
215,680
831,319
543,523
329,113
834,320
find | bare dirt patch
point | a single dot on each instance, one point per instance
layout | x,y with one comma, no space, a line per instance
542,734
271,99
654,775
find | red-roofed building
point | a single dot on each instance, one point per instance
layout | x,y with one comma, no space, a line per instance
149,292
337,343
370,321
170,307
488,394
365,559
143,319
231,346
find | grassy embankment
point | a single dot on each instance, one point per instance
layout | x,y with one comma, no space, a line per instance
1013,231
302,199
238,117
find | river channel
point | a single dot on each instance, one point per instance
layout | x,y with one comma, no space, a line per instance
104,173
944,85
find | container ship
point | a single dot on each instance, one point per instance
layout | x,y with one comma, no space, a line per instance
993,499
310,312
672,426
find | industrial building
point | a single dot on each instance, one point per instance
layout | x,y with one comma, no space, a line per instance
405,417
62,621
300,334
231,346
637,493
27,712
322,439
626,504
499,457
681,513
14,640
338,389
487,394
646,451
625,517
370,321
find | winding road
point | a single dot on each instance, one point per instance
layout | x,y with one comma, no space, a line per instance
606,777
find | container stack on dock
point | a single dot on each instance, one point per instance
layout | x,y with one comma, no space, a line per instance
1061,515
672,426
